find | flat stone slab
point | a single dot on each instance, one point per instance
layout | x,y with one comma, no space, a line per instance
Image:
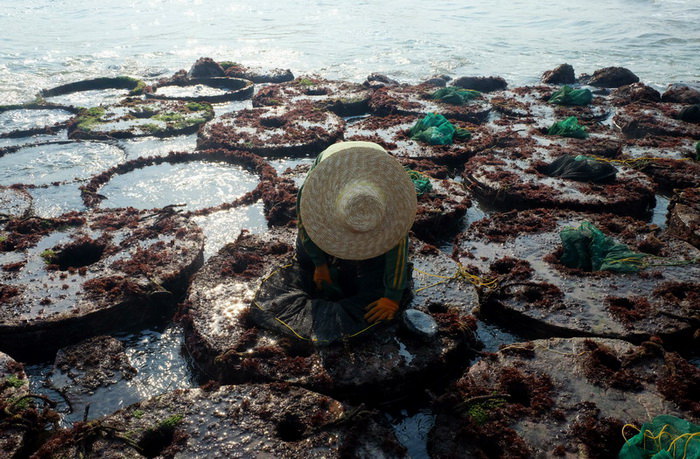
212,90
233,421
654,119
257,75
684,215
341,97
669,161
562,398
415,100
532,102
13,386
290,130
511,177
67,278
228,347
14,202
542,297
139,118
392,133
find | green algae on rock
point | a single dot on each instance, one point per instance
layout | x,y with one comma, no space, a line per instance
138,118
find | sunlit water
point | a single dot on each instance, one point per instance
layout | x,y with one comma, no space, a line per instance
48,42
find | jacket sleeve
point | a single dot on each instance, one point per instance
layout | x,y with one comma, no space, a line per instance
396,270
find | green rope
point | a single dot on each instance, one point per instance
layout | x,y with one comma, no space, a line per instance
420,181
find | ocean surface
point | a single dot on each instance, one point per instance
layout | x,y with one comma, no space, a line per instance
48,42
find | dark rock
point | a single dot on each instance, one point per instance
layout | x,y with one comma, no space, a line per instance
541,296
561,397
638,120
563,74
681,94
248,420
93,273
482,84
257,75
690,114
612,77
291,130
375,80
439,81
419,323
635,92
205,67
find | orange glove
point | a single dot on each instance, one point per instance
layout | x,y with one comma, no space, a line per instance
382,309
322,274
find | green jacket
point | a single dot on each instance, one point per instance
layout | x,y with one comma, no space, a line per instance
395,260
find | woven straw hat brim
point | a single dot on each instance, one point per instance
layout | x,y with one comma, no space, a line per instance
349,163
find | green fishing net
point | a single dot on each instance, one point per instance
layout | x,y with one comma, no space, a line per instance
581,168
587,248
666,437
436,130
568,128
420,181
570,96
454,95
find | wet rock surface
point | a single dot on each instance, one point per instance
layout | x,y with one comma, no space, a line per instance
74,95
684,216
276,420
644,120
340,97
542,297
203,89
71,277
560,398
481,84
415,100
612,77
562,74
393,133
258,75
14,203
681,94
138,118
668,161
13,386
295,130
514,177
223,341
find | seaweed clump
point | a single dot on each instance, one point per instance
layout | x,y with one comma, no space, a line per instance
604,368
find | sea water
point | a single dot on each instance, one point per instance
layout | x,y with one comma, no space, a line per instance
44,43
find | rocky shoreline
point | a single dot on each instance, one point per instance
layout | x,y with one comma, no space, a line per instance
594,350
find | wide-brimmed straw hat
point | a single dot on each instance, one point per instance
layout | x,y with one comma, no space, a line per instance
358,202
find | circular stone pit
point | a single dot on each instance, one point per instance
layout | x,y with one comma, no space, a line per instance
541,297
415,100
17,121
293,130
139,118
14,203
648,119
392,133
233,421
511,177
212,90
340,97
93,92
562,398
65,279
383,362
57,162
671,162
684,216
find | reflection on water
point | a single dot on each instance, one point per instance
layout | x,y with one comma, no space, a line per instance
221,228
196,184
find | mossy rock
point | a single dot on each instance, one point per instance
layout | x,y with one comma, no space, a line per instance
138,118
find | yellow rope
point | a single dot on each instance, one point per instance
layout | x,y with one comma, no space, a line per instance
460,273
632,162
656,439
